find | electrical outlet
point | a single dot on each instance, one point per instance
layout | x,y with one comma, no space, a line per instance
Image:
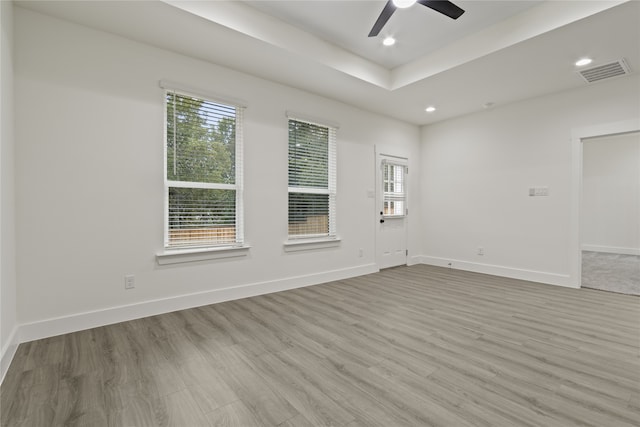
129,281
360,252
480,251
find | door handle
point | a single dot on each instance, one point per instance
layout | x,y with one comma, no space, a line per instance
381,221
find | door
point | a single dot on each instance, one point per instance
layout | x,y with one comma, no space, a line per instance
391,211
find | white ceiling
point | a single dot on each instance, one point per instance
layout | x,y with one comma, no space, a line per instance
498,51
418,30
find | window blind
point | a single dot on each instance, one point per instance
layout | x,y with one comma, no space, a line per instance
312,180
394,191
203,172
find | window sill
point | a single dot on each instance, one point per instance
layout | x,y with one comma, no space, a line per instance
310,244
177,256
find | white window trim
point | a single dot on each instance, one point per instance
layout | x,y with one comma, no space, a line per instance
306,242
201,93
292,115
214,251
177,256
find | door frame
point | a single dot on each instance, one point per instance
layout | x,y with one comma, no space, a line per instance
578,135
378,156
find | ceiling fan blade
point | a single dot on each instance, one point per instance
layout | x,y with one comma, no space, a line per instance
444,7
386,13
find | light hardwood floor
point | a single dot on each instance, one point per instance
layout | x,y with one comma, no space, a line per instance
409,346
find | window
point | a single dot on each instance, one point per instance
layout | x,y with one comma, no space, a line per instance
394,194
312,180
203,200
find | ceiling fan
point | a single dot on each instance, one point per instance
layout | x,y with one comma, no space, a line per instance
445,7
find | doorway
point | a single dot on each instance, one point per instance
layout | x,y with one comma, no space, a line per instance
391,210
578,135
610,227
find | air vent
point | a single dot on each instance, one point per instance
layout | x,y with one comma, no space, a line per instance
605,71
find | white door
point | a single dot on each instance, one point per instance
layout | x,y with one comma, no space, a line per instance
391,211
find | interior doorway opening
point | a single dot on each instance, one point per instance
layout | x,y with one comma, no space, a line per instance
610,212
578,136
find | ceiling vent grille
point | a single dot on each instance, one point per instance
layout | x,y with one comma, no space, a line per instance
605,71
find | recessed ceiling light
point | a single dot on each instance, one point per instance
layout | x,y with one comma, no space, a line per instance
403,3
389,41
430,109
584,61
488,105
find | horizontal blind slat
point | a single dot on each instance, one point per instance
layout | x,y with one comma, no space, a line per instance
202,205
200,140
394,196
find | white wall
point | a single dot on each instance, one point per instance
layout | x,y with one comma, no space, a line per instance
476,171
89,131
611,194
7,215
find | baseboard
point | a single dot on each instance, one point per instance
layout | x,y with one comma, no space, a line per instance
497,270
611,249
414,259
8,351
80,321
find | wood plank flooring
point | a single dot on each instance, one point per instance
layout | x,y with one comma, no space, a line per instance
409,346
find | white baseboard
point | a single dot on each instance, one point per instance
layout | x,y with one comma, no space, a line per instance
611,249
497,270
414,259
8,351
80,321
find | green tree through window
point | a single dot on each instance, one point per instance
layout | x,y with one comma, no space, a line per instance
201,172
311,180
